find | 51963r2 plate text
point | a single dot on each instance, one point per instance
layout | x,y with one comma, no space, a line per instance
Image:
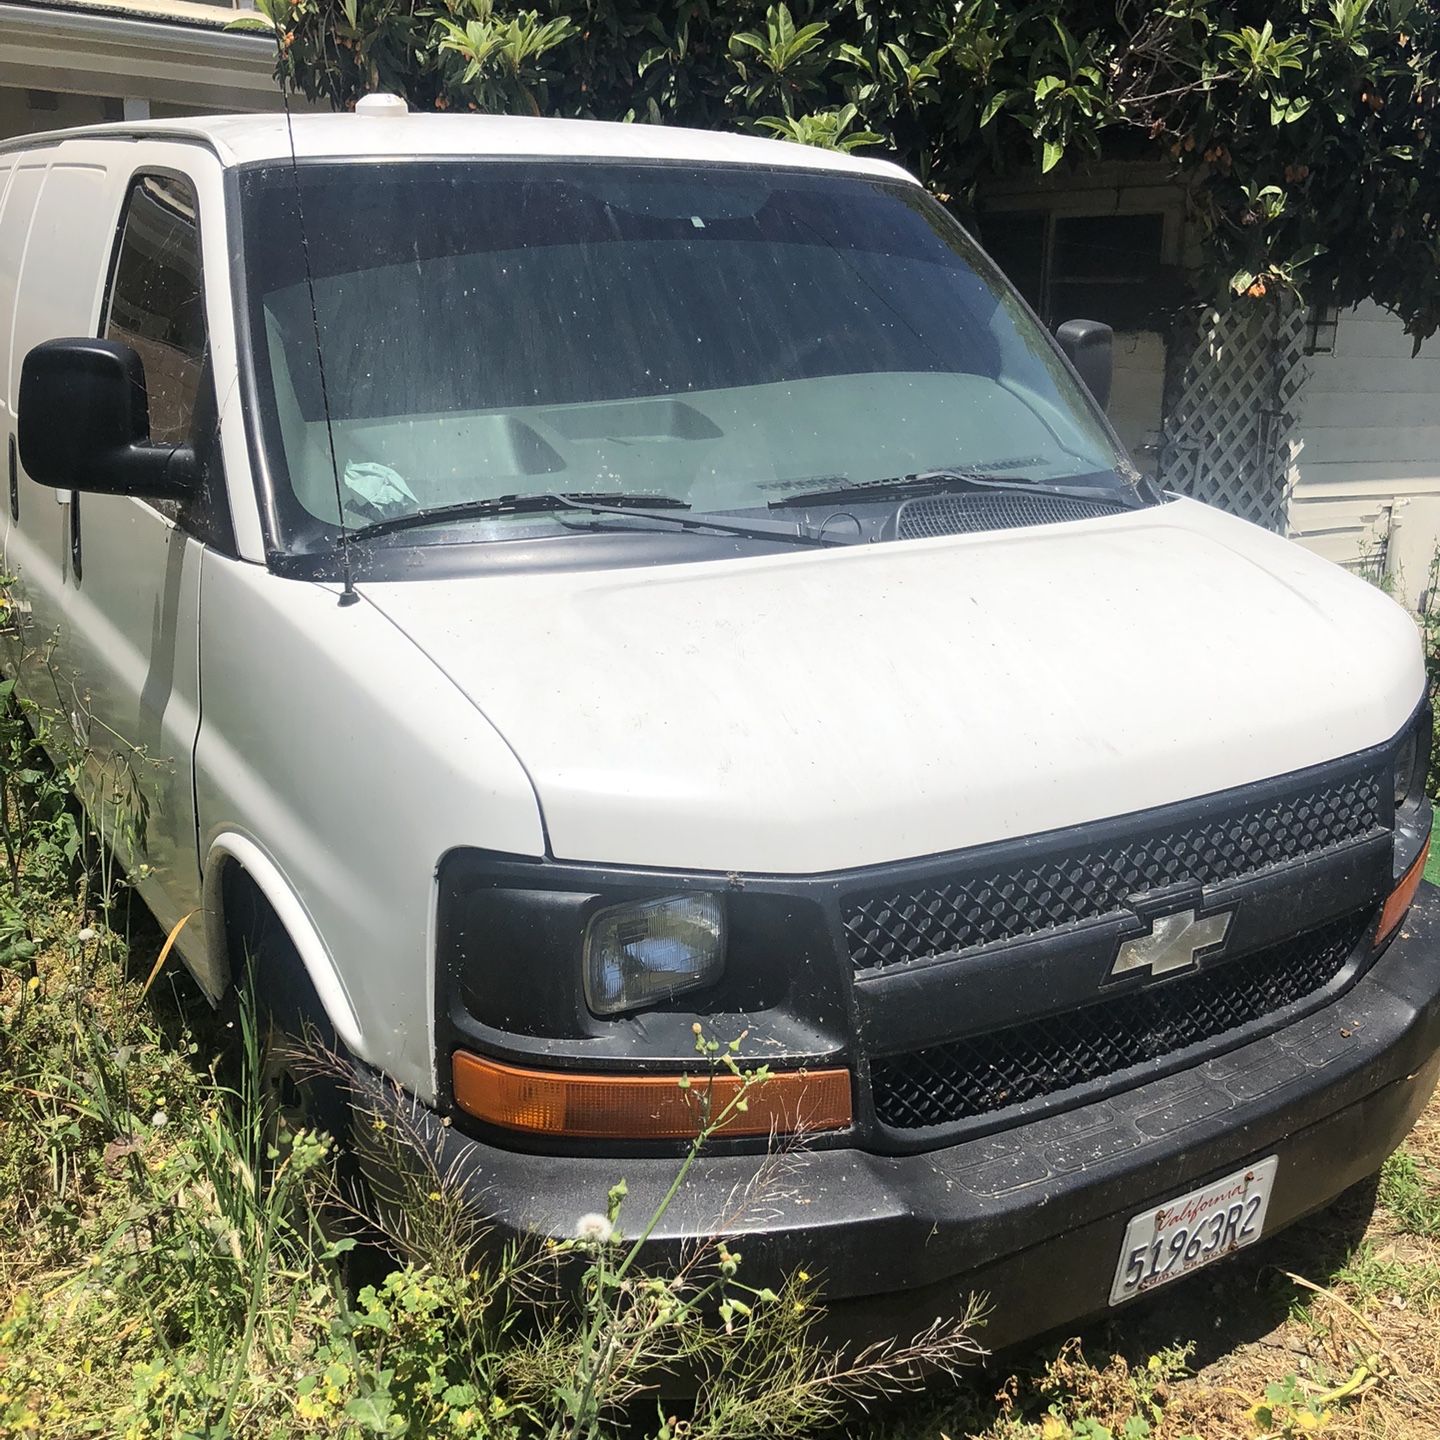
1176,1238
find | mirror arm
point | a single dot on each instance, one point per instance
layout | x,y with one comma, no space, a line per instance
159,472
183,470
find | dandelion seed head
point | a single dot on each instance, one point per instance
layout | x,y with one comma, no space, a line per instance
594,1229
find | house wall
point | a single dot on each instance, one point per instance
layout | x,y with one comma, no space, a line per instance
1137,399
1369,431
28,111
76,63
1098,189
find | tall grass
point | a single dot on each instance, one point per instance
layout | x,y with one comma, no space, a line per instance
180,1263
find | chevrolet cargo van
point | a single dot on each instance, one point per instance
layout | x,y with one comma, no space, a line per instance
559,584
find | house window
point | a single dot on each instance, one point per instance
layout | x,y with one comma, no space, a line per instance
1018,243
1320,328
1100,267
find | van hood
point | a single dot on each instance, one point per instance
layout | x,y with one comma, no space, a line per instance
818,710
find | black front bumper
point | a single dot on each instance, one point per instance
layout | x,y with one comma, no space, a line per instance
1033,1216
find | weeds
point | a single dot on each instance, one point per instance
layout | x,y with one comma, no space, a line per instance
177,1270
1410,1194
1377,1274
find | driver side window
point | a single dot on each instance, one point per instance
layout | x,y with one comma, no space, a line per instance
156,306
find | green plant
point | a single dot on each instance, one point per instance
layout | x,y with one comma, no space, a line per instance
182,1273
38,825
1116,1402
1304,134
1374,1273
829,129
1291,1408
780,66
503,58
1412,1197
747,1353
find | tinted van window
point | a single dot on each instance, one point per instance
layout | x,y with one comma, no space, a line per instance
157,303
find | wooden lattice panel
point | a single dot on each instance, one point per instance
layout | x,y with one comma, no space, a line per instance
1229,435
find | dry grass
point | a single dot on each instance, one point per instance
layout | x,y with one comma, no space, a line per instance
1340,1314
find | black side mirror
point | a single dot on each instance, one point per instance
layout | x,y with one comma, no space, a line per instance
84,424
1090,347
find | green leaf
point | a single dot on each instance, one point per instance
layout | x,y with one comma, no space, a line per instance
252,20
993,107
372,1412
1054,153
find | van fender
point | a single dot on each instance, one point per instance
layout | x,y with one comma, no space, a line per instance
231,848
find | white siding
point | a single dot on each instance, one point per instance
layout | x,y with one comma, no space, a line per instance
1369,431
1137,400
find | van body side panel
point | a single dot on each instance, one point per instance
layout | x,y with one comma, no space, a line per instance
132,622
134,616
115,635
51,258
354,764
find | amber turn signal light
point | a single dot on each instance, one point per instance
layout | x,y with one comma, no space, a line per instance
645,1107
1402,896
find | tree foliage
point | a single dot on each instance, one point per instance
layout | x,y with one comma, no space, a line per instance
1303,129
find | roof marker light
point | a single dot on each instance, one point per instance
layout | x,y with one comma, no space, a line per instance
381,106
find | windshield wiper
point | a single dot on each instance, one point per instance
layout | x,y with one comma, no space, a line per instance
930,482
665,509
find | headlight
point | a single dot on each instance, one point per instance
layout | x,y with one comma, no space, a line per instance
644,952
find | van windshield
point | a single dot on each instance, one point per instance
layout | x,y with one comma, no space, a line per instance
717,336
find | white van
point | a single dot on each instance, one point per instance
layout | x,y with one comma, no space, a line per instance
557,583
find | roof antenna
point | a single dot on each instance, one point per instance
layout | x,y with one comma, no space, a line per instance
348,595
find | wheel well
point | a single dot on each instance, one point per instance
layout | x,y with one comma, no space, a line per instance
264,959
261,954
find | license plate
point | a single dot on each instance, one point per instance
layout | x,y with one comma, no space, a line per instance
1180,1236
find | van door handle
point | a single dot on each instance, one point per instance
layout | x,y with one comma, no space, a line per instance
14,480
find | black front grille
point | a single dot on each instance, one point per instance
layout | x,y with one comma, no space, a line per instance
960,514
984,904
986,1073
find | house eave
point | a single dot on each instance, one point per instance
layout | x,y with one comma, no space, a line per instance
173,51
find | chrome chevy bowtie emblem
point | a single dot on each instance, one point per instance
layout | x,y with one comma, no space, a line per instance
1173,943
